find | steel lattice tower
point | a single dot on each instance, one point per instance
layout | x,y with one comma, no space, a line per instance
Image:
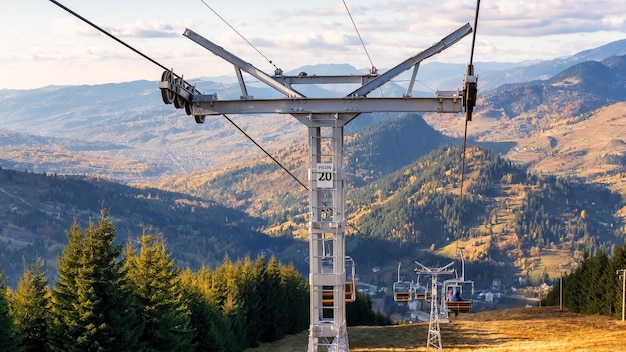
434,333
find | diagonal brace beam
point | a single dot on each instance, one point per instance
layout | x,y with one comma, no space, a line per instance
444,43
244,66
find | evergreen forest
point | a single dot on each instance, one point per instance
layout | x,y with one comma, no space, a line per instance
595,286
132,297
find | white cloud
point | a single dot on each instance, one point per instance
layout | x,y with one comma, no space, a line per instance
614,21
295,33
138,29
145,29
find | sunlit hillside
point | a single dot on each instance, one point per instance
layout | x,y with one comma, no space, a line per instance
523,329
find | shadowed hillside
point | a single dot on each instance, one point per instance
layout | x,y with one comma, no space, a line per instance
38,209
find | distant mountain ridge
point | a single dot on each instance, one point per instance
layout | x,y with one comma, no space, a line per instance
490,79
131,125
578,90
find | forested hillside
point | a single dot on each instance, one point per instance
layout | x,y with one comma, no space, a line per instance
383,144
38,209
388,145
509,217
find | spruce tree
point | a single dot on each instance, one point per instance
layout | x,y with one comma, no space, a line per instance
251,281
274,305
91,302
7,337
616,264
159,297
600,279
226,287
213,333
297,298
30,306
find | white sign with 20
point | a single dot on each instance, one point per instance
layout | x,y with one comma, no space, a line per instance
324,175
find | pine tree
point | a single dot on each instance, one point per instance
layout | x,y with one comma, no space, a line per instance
297,298
213,333
30,306
159,297
251,284
7,337
91,301
273,305
617,262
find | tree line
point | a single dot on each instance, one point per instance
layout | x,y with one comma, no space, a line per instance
115,297
594,287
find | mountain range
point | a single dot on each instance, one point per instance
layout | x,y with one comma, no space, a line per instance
537,115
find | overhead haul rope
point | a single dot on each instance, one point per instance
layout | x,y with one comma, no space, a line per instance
373,70
358,34
467,119
111,36
227,118
238,33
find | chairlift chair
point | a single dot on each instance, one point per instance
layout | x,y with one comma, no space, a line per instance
350,282
402,290
459,283
460,306
422,293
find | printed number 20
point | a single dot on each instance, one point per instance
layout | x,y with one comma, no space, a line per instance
326,176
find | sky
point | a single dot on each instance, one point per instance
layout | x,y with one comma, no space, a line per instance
41,44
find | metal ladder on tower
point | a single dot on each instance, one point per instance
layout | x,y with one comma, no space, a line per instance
328,327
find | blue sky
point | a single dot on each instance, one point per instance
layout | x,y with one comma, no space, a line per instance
41,45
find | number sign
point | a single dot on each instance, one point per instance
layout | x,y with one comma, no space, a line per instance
324,175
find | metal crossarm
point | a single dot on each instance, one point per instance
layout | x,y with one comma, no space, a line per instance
446,102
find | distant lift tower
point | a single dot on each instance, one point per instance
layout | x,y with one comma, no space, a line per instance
434,333
325,119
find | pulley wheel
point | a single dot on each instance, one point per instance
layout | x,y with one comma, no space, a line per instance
167,95
179,102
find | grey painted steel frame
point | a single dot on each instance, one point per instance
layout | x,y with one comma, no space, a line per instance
325,119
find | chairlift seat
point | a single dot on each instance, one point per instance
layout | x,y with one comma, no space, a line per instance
459,306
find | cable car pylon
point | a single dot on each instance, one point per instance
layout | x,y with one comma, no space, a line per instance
325,119
434,332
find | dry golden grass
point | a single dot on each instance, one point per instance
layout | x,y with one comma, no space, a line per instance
531,329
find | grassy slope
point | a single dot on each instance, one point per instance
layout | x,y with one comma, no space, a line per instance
531,329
